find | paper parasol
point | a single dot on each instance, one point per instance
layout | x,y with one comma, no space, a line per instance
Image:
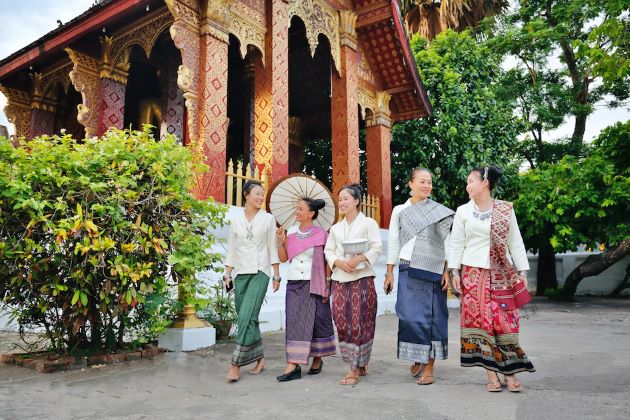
283,196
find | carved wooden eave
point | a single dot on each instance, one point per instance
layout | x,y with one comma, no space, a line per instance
18,109
248,29
319,17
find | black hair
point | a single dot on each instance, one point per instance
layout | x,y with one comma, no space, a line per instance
414,171
314,205
249,186
355,190
491,172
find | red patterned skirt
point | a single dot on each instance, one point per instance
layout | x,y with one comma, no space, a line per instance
354,313
489,336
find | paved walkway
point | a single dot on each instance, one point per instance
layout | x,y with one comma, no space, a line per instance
581,352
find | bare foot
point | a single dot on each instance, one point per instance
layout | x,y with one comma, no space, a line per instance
260,366
234,373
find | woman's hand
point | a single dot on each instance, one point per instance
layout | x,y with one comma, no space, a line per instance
523,278
446,277
344,265
281,235
457,283
356,260
276,286
388,284
325,299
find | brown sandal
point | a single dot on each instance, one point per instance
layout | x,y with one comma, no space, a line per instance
514,385
494,386
424,380
363,370
350,380
416,369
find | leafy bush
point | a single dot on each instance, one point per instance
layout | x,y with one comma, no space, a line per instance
93,232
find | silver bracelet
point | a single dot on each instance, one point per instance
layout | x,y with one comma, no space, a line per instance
522,273
276,278
455,272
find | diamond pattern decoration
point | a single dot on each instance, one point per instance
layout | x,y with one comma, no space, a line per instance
112,105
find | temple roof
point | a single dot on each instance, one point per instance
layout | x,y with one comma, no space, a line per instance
381,35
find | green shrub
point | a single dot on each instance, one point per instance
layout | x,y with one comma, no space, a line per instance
93,232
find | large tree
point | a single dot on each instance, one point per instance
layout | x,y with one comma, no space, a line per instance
585,200
565,53
470,124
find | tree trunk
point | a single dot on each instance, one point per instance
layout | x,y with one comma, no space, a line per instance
594,265
625,284
546,272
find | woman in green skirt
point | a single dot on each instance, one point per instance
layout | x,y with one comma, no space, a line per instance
252,252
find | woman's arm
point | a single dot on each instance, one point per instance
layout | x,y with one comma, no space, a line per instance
457,241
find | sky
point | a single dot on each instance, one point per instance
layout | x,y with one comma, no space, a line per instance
25,21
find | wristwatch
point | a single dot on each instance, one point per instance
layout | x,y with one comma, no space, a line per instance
276,278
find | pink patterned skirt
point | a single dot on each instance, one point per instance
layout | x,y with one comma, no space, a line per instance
489,336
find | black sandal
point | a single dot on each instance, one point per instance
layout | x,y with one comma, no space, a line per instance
312,371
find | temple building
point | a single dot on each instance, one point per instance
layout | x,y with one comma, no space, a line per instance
248,80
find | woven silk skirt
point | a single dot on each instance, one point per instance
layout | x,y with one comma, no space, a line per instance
249,290
354,312
422,319
489,335
309,324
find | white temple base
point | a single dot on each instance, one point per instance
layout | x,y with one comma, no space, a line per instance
187,339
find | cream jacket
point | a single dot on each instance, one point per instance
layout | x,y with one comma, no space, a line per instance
361,228
249,256
470,241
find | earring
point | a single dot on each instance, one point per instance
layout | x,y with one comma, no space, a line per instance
411,193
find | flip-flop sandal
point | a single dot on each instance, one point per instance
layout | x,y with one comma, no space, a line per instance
425,380
494,386
363,371
418,372
514,385
350,380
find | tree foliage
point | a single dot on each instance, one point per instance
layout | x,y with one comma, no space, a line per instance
92,232
571,56
470,125
584,199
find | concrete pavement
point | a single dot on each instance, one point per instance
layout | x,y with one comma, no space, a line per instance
581,352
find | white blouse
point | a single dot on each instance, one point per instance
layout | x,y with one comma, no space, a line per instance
362,227
470,241
301,265
249,255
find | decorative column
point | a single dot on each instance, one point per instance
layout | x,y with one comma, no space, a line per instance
271,108
173,120
344,107
112,87
18,110
212,106
378,139
42,118
86,80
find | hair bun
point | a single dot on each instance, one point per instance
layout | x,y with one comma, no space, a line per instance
494,173
357,187
320,204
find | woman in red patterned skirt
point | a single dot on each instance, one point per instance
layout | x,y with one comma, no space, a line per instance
352,249
486,240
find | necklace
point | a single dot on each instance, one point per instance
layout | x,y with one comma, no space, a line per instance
303,235
481,215
249,227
